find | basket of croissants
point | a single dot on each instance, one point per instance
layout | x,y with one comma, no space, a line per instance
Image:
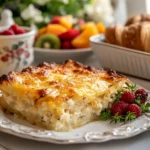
135,34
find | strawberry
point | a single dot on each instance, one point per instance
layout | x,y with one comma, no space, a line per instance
20,31
134,108
142,95
66,45
55,20
14,27
119,108
128,97
69,35
7,32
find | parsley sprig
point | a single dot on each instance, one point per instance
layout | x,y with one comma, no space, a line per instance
118,95
131,87
145,108
116,119
129,117
105,115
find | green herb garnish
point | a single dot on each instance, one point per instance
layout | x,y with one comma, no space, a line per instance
129,117
131,87
116,119
105,115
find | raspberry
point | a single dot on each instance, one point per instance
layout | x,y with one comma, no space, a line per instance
128,97
140,91
134,108
142,95
7,32
20,31
14,27
119,108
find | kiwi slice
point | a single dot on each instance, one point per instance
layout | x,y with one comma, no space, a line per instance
48,41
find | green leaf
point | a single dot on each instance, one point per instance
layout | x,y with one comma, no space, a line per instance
105,115
118,95
25,63
131,87
146,108
117,119
20,43
15,47
129,117
138,101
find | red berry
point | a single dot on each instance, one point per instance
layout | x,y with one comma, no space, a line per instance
134,108
119,108
140,91
55,20
142,94
66,45
20,31
19,51
128,97
14,27
7,32
4,58
69,35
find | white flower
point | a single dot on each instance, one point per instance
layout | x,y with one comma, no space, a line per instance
88,8
31,13
100,10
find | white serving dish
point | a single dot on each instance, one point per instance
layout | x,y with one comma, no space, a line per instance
58,56
124,60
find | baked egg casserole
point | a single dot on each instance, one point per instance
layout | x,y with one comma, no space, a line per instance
59,97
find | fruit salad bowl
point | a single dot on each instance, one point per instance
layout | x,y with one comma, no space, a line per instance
16,51
58,55
65,37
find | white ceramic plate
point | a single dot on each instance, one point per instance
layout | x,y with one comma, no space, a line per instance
51,55
99,131
125,60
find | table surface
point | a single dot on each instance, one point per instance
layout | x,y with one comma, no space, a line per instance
139,142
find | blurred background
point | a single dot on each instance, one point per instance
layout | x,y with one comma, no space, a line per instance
40,12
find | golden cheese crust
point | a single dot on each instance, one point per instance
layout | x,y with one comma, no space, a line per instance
47,95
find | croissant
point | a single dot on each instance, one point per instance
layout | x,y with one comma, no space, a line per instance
135,36
137,18
113,34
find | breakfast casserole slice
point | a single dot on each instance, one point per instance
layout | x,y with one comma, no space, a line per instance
59,97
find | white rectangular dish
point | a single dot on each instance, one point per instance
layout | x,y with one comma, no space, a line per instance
125,60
